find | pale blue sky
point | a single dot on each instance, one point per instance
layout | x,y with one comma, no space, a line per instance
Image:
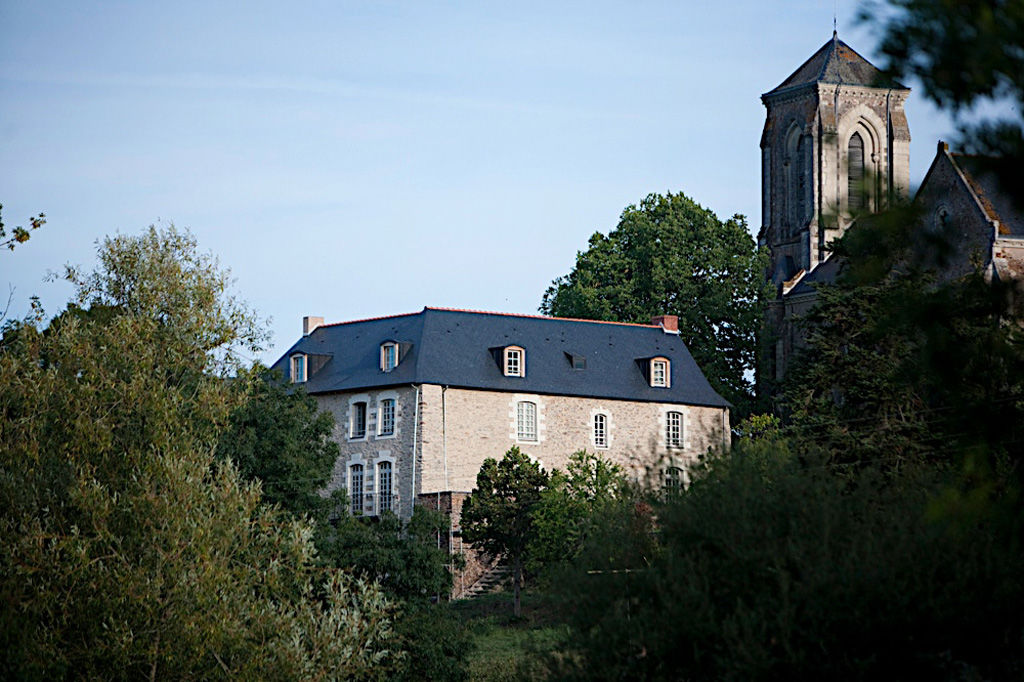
354,159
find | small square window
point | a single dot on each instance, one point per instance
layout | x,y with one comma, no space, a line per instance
515,365
659,373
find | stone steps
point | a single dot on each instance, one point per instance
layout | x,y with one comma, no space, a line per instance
489,582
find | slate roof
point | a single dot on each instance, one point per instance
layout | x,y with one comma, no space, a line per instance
838,63
827,271
455,348
982,174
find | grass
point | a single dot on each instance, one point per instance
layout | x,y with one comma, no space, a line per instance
505,647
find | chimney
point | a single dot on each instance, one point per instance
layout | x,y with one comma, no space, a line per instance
670,323
311,323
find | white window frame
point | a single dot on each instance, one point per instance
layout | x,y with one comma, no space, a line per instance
514,361
386,500
526,422
300,360
678,440
381,417
356,502
599,430
384,349
661,373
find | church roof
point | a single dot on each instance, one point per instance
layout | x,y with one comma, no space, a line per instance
456,348
989,181
836,62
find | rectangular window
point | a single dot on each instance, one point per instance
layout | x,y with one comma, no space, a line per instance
659,373
513,362
355,489
600,431
358,426
673,480
387,417
385,502
526,421
674,429
388,356
298,368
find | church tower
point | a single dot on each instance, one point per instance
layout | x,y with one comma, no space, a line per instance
835,144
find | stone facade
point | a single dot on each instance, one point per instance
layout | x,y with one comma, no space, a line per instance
442,436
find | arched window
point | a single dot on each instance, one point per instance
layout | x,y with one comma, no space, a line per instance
796,181
526,421
856,190
600,431
385,501
674,429
355,489
673,480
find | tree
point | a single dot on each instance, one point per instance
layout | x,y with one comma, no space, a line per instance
771,567
497,517
965,54
669,255
900,365
280,437
127,549
570,504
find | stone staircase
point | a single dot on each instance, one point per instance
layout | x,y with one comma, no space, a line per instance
489,582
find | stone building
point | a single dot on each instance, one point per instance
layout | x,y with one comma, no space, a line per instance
420,400
835,146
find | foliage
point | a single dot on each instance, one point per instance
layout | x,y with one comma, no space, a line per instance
497,517
770,566
669,255
569,505
965,54
403,557
19,235
126,548
280,437
901,366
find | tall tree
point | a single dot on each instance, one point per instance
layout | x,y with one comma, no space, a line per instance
126,549
670,255
280,437
497,517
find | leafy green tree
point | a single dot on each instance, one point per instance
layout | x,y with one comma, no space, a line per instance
127,549
280,437
901,366
670,255
570,504
497,517
771,567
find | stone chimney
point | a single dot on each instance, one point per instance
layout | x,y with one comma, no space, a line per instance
311,323
670,323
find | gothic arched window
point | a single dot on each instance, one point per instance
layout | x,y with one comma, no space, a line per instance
795,180
856,190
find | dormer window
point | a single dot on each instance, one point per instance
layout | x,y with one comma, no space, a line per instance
659,373
515,362
298,369
388,356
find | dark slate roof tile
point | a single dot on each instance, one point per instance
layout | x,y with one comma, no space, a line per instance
453,347
836,62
